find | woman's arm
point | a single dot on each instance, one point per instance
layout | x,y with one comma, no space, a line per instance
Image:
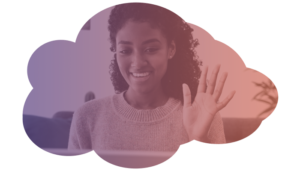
216,134
79,137
73,137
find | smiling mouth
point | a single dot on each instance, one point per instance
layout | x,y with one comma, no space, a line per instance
140,75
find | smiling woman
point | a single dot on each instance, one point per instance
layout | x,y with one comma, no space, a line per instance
167,27
159,102
142,55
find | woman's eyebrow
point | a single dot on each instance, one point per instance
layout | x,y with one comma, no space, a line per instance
145,42
151,41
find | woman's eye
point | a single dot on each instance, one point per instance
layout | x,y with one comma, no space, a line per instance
128,51
125,52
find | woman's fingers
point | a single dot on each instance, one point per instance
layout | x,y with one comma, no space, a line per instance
212,80
187,97
202,82
219,88
222,104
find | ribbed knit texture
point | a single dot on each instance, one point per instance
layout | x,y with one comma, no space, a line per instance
112,124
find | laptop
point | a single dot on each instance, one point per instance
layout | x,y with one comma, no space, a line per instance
121,159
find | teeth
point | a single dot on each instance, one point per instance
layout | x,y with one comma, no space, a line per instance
140,74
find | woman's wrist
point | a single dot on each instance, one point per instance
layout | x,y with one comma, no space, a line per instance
203,140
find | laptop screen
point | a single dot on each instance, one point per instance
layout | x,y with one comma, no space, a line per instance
121,159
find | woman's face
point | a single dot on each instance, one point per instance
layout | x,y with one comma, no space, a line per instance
142,55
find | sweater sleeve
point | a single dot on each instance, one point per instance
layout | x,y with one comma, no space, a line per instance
216,133
79,137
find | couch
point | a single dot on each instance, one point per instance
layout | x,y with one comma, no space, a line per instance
54,132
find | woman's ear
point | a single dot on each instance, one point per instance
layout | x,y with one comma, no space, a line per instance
172,49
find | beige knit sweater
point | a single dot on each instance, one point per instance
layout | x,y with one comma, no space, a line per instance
112,124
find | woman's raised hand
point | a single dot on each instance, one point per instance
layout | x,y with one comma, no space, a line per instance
198,116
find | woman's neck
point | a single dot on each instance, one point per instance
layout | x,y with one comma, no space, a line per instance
148,100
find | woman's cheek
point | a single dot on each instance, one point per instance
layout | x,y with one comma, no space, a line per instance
162,67
119,63
123,66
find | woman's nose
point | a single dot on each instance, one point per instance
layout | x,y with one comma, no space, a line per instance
138,61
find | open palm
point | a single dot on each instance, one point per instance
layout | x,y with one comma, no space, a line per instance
198,116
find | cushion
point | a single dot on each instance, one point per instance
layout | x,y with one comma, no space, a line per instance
47,132
63,115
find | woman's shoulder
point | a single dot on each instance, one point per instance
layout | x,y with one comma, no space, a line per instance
94,106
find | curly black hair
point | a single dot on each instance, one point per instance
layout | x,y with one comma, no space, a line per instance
182,68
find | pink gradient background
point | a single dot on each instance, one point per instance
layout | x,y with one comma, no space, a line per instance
240,78
61,72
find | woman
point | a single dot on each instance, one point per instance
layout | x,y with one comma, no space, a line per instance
160,104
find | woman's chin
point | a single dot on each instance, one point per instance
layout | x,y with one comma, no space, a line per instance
143,89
